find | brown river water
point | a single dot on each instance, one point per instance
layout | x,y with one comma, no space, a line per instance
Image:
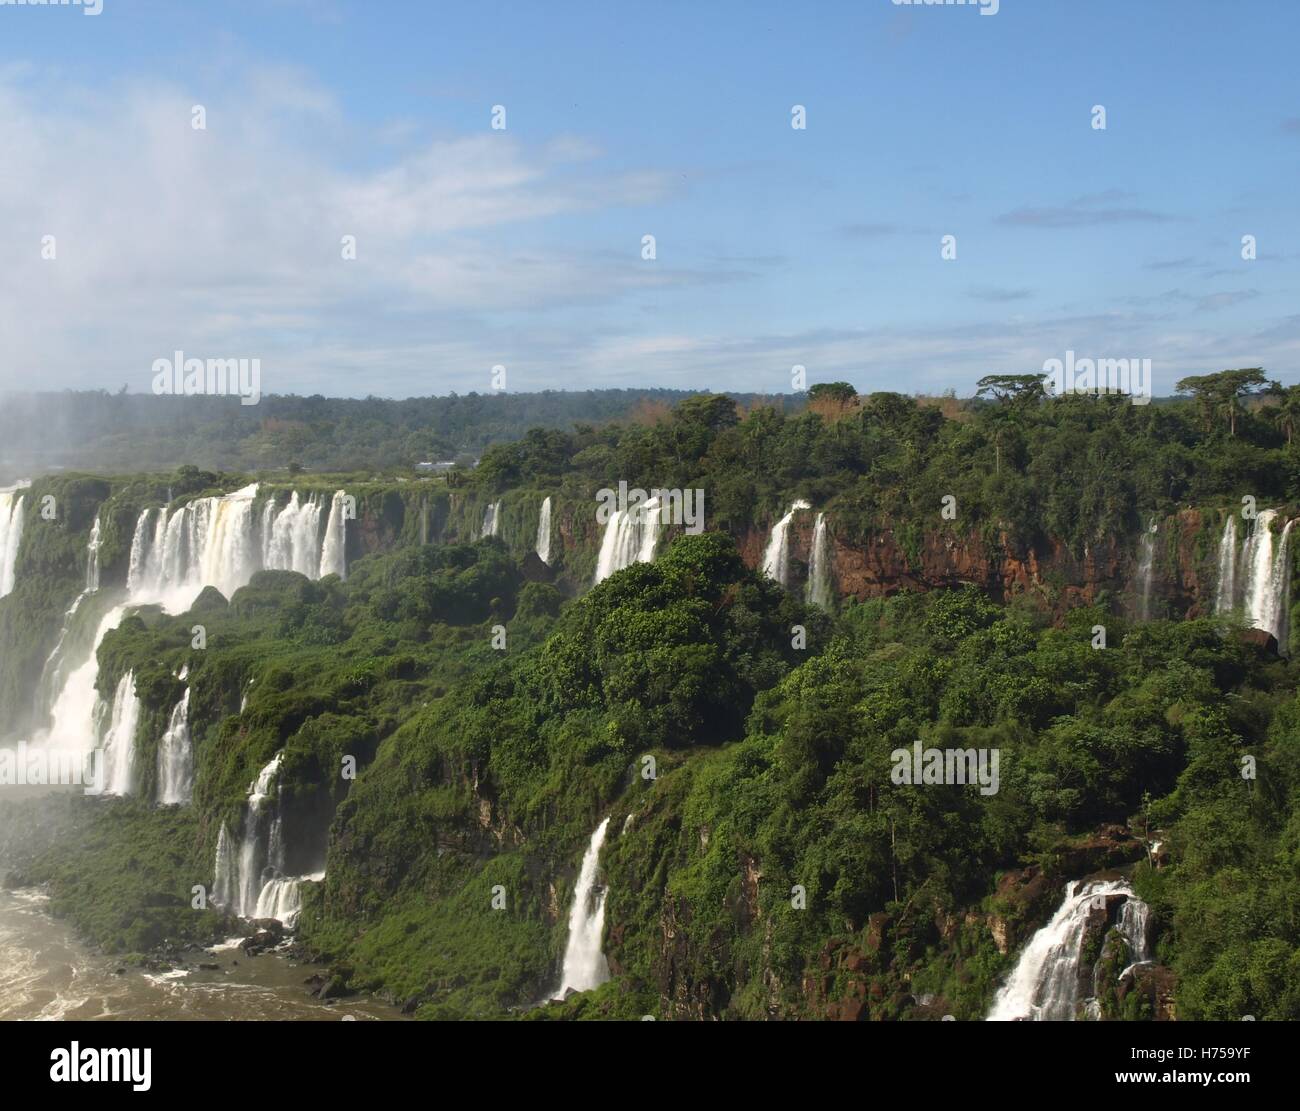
46,973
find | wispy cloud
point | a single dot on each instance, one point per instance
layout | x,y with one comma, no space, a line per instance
1089,210
997,294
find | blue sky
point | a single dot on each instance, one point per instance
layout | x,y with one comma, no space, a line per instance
522,247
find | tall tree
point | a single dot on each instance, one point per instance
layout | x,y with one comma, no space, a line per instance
1222,393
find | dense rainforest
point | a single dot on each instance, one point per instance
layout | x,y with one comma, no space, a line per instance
443,725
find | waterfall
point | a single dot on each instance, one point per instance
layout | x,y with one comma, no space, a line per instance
1044,985
208,542
1266,560
92,557
1134,925
631,536
11,533
291,539
544,533
119,742
52,672
176,757
491,520
1145,571
1225,591
334,557
72,715
819,591
585,966
250,880
776,560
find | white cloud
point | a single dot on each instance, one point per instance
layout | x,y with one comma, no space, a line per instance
228,241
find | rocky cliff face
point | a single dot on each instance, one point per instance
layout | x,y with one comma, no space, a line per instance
887,563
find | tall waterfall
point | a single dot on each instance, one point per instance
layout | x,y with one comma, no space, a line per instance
52,672
1146,570
585,966
333,556
216,541
72,715
207,542
1044,985
176,757
631,536
491,521
250,880
819,591
1266,562
1225,590
291,537
544,533
119,742
776,560
11,533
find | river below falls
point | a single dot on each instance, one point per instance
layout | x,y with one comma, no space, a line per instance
47,973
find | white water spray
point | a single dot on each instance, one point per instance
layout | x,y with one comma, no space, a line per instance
176,757
585,966
1266,558
333,558
776,560
1044,985
1225,591
631,536
11,533
544,533
819,591
119,742
1146,570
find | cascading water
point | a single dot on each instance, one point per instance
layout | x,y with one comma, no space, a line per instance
52,673
544,533
176,757
291,539
208,542
491,520
585,966
1044,985
631,536
174,555
1225,591
11,533
250,880
1146,570
119,742
1266,560
819,590
334,558
776,560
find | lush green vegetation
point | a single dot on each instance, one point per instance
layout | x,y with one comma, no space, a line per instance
761,860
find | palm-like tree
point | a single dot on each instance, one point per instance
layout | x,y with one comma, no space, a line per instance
1286,413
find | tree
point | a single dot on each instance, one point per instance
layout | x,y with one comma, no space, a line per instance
1286,413
1014,394
1019,389
1221,393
